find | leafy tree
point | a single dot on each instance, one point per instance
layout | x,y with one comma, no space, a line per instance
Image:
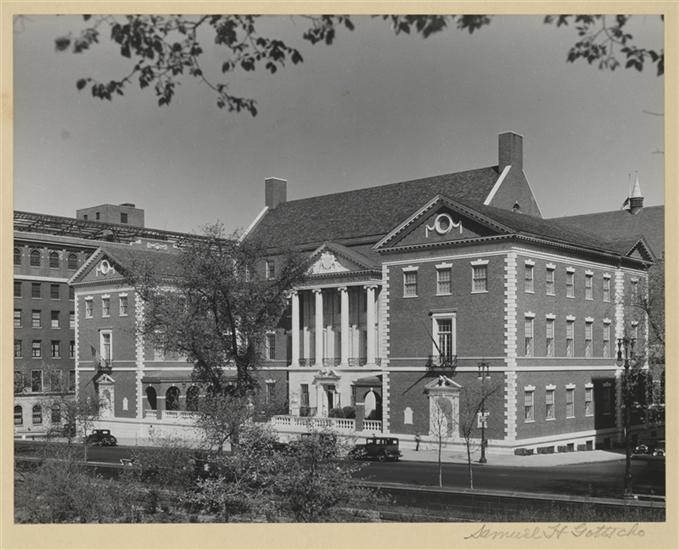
163,49
217,307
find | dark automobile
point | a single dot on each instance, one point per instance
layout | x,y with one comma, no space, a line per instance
376,448
102,438
659,448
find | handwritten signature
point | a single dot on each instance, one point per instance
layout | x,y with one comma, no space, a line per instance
557,531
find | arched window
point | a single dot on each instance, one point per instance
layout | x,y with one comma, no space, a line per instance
72,261
35,258
151,397
192,398
54,259
18,415
172,399
17,256
37,414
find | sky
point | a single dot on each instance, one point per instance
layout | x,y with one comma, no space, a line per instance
371,109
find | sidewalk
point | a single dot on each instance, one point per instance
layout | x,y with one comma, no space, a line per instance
502,459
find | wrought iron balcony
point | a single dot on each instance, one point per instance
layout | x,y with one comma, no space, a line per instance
447,362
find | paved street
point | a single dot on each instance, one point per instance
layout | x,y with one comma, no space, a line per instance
597,479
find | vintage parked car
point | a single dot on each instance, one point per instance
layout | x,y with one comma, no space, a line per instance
102,438
376,448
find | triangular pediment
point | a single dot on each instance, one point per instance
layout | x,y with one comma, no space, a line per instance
105,379
331,258
442,220
99,267
443,384
641,251
326,375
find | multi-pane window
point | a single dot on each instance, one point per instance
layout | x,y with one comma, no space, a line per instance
529,406
54,292
588,338
35,290
570,402
36,349
271,346
18,415
35,319
304,395
270,269
36,380
35,258
71,293
18,349
589,281
71,349
444,337
122,305
54,319
589,409
37,414
17,318
71,319
18,288
529,325
606,352
409,283
570,284
106,346
123,217
106,307
88,308
549,404
479,278
528,283
606,289
549,337
443,280
72,261
549,281
570,333
17,256
54,259
71,380
56,349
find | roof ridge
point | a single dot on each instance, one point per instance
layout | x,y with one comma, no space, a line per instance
386,185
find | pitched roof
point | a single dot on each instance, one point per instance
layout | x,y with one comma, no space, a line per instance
364,213
623,226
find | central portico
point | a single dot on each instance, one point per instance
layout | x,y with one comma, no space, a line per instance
334,335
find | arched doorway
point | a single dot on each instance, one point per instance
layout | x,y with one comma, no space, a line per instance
152,397
372,405
172,399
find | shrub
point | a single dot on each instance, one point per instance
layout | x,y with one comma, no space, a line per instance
349,412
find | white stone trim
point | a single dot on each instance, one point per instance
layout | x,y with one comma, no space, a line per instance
589,319
529,262
550,316
410,268
444,265
589,272
529,388
529,314
618,404
606,321
565,259
479,262
37,278
551,267
497,185
570,386
589,385
619,293
606,275
550,387
570,269
383,318
510,344
386,402
448,257
139,353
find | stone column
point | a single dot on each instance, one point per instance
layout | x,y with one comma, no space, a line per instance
319,327
370,325
344,325
294,296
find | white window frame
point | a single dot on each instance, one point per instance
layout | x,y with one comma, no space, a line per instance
570,337
606,287
589,286
440,269
270,336
550,280
123,305
55,323
269,269
550,391
481,265
570,282
589,398
106,306
529,277
529,335
452,316
570,391
550,323
89,308
102,347
528,401
589,341
606,339
407,286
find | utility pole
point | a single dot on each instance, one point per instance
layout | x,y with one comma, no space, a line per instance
625,357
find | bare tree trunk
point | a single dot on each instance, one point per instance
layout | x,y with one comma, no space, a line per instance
440,464
469,463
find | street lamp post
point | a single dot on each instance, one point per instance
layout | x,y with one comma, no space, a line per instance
484,372
625,357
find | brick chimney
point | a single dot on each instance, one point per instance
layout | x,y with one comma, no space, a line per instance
510,151
275,192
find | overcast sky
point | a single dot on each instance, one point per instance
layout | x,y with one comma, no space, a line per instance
373,108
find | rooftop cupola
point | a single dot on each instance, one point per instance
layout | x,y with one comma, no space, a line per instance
635,201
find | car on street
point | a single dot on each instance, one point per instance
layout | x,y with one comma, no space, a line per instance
101,438
376,448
